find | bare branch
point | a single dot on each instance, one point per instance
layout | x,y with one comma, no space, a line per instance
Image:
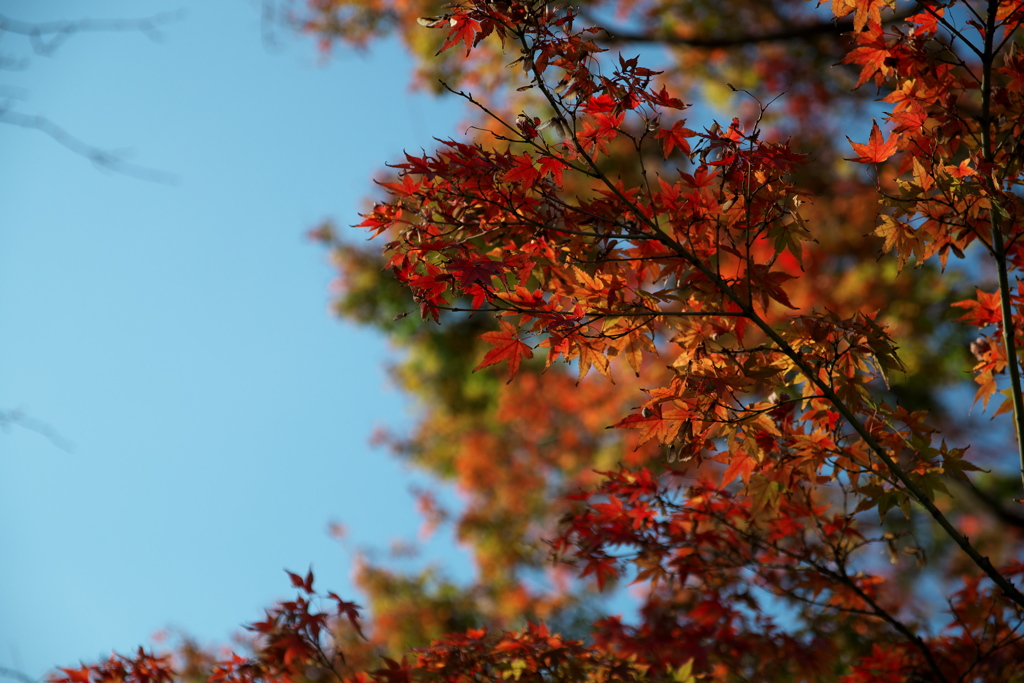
994,505
47,36
16,418
105,159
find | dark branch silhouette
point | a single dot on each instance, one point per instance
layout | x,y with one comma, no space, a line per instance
802,32
994,506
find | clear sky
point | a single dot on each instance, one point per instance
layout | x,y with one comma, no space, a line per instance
178,336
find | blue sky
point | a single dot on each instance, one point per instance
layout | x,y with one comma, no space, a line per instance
178,335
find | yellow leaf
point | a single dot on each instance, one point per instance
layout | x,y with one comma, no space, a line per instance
899,237
684,674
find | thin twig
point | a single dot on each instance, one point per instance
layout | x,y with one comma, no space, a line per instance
107,160
47,36
17,418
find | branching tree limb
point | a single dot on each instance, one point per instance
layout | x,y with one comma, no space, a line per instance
45,38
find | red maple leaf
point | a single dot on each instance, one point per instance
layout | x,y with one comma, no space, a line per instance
464,30
876,150
553,165
873,53
603,569
507,347
984,311
741,464
349,610
867,11
523,172
675,137
407,188
477,269
597,136
298,581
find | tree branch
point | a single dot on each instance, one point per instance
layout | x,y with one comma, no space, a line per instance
47,36
16,418
994,506
998,244
804,32
105,159
803,366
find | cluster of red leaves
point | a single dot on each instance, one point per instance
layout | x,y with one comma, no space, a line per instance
690,267
712,546
699,256
532,655
295,639
144,667
489,227
962,171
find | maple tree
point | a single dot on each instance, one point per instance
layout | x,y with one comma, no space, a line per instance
730,359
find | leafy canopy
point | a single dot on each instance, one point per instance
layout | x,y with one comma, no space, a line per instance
723,362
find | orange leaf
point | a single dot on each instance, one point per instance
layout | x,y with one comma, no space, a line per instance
984,311
632,345
740,465
876,150
899,237
507,347
590,354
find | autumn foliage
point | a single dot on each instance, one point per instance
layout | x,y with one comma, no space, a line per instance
729,364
